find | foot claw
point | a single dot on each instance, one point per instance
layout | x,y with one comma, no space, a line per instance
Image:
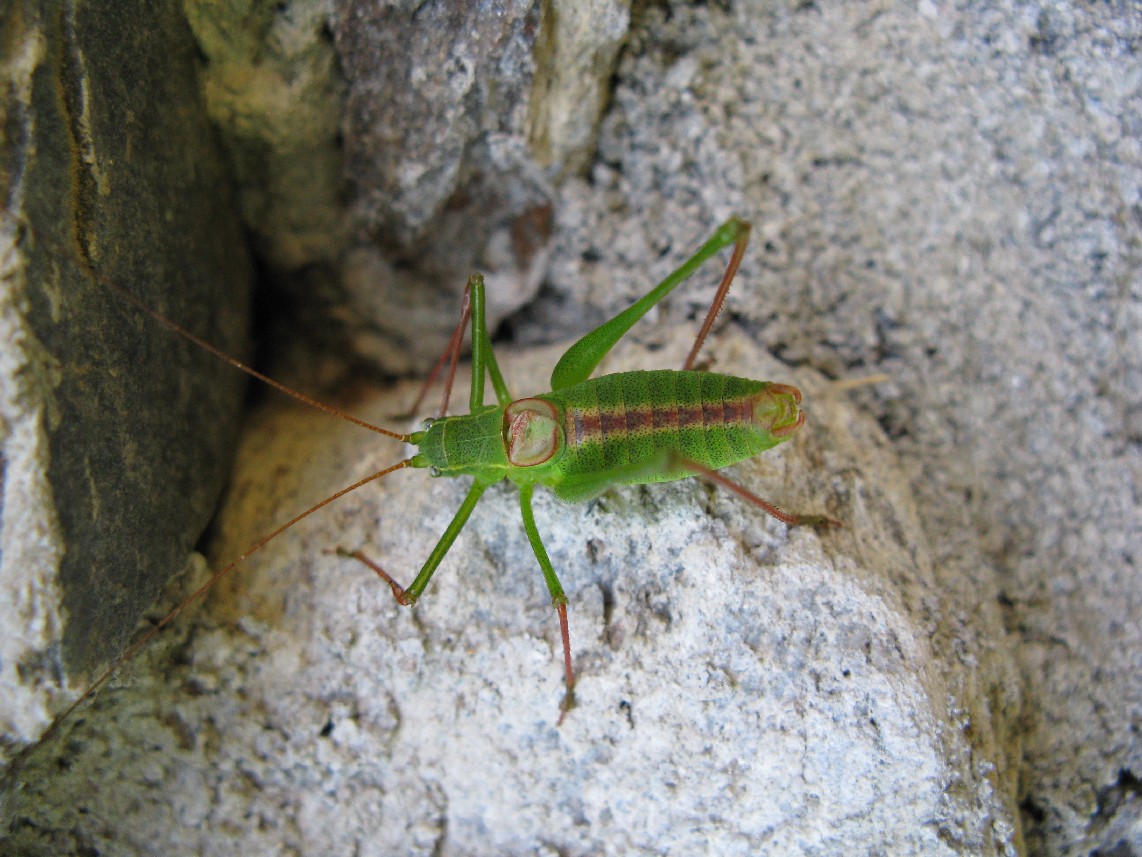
566,705
823,522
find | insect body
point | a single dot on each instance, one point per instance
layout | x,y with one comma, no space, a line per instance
588,434
614,429
580,438
629,428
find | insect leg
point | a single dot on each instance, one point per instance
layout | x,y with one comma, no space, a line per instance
482,354
414,590
587,486
719,296
793,520
451,354
142,642
580,359
472,306
558,598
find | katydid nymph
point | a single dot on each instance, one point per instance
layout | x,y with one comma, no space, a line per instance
579,439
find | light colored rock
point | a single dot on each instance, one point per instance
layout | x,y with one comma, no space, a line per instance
441,174
950,195
743,687
576,56
271,84
946,194
385,151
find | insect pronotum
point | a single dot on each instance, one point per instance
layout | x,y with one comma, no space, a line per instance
583,436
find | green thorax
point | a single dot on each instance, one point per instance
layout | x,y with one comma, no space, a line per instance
467,444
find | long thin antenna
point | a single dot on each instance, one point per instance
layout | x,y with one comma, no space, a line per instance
138,645
238,364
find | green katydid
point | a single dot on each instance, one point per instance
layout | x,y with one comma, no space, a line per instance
579,439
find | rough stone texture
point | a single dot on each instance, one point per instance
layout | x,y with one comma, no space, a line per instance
110,161
383,151
744,688
946,194
116,435
950,194
271,83
575,58
436,148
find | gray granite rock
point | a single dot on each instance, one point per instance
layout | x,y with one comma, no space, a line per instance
948,195
743,687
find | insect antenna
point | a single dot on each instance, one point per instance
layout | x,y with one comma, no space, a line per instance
190,599
238,364
142,642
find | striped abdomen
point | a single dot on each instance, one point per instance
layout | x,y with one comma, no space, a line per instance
617,421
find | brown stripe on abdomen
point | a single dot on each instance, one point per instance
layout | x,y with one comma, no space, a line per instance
612,421
608,423
737,411
639,420
664,417
595,425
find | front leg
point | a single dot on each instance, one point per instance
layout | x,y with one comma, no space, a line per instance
558,598
416,588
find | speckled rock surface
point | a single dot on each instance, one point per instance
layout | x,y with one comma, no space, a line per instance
951,194
383,151
948,194
743,687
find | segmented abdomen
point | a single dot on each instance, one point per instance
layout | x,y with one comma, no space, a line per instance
619,420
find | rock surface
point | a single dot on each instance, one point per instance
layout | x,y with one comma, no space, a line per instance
946,194
116,435
743,687
952,195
